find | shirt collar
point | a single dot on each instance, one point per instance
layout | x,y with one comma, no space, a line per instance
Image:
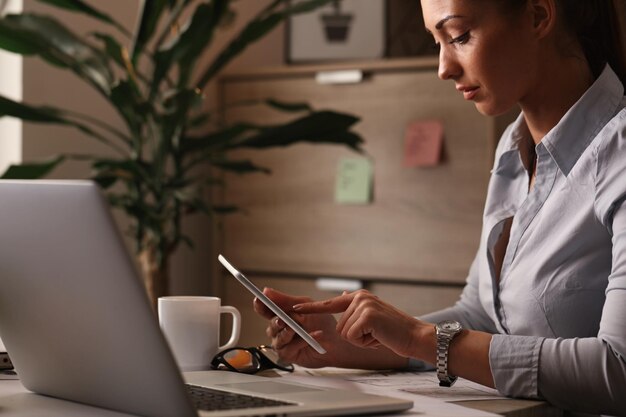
582,122
571,136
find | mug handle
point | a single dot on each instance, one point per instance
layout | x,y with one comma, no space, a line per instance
234,337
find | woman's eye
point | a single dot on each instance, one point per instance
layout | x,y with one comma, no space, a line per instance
461,39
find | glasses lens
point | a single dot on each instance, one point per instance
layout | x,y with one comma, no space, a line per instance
242,360
271,354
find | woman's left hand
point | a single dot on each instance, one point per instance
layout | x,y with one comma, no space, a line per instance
367,321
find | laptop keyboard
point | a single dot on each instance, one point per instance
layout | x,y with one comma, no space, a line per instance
211,399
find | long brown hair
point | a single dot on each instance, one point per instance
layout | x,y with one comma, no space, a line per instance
595,25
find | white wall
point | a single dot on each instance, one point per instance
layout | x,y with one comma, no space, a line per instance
10,86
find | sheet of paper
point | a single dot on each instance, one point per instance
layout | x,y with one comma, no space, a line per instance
423,143
354,181
422,383
419,387
426,383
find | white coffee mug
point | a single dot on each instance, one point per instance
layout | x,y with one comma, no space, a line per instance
192,328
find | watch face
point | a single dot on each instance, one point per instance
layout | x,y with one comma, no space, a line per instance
450,326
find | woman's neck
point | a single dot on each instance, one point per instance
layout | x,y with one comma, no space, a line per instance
559,87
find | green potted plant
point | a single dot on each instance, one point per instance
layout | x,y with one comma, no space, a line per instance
148,78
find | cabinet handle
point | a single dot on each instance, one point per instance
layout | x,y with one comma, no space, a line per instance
338,285
339,77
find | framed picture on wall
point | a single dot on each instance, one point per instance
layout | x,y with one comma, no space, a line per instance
342,30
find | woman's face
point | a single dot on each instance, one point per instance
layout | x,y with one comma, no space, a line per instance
486,52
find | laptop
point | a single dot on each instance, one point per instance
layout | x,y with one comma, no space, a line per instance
77,323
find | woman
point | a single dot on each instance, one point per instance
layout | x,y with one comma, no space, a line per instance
543,313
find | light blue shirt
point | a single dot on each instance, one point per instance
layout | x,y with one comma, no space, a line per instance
558,312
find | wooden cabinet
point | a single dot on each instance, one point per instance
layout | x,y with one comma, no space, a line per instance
413,244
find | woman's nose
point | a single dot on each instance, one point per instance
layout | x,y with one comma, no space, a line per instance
449,67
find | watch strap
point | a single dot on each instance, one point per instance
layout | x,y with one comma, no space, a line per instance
443,345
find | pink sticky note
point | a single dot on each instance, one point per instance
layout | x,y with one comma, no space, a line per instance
423,143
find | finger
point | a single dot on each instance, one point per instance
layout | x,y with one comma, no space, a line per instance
352,312
347,319
283,300
261,309
362,303
276,325
370,342
291,351
283,338
360,333
294,350
332,305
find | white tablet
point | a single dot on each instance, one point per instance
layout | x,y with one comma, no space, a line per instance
272,306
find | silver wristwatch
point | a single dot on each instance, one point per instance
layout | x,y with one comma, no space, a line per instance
446,331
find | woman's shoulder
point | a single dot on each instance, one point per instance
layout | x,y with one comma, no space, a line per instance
609,149
612,136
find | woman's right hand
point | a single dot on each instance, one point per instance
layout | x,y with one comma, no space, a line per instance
291,347
323,327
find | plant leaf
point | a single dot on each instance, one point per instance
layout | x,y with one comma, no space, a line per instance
112,47
134,208
45,114
186,48
254,30
127,104
224,209
127,170
217,140
22,111
288,107
199,120
104,181
151,11
46,37
318,127
173,121
251,33
81,7
305,6
187,241
15,39
240,167
31,170
191,198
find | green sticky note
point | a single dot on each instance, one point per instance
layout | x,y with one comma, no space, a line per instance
354,181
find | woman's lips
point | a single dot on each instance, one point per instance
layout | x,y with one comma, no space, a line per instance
468,92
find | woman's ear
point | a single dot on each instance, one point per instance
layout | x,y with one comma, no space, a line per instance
544,14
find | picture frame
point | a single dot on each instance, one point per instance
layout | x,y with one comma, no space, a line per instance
343,30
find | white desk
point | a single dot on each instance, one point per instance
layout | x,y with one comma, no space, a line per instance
16,401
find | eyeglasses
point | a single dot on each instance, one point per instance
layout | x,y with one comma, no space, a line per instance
249,360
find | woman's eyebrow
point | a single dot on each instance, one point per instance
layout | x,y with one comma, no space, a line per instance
440,23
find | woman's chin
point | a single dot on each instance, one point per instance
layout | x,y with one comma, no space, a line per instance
490,109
